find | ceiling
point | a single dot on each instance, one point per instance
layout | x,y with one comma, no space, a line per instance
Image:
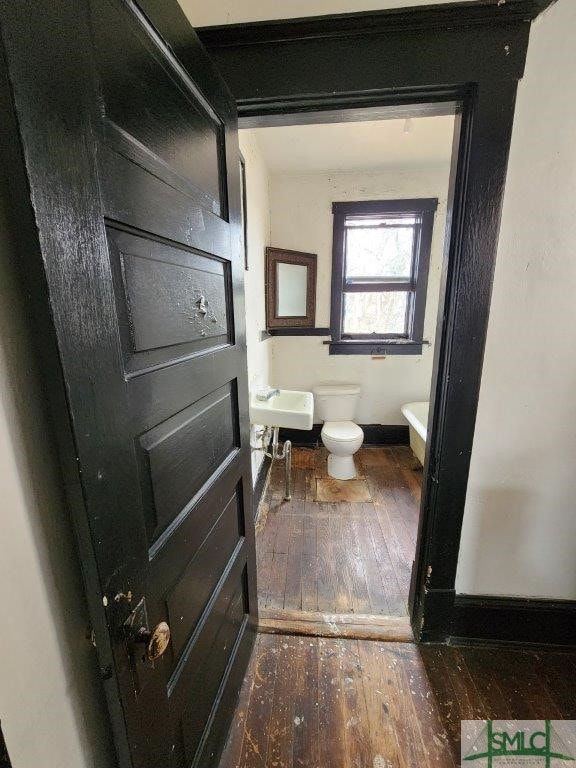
204,13
370,145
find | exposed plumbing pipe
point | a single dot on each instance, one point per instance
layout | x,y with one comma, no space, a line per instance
286,454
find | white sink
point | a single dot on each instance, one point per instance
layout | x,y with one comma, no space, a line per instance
289,408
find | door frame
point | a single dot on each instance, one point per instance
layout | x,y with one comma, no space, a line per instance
412,62
460,104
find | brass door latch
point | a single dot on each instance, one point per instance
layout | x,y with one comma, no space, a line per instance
156,641
137,632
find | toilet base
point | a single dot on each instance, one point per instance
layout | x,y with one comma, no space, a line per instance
341,467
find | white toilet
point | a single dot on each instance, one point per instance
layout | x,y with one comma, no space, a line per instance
335,406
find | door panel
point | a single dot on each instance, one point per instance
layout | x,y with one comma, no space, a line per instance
189,596
196,292
149,406
171,302
129,192
196,684
183,454
139,236
154,107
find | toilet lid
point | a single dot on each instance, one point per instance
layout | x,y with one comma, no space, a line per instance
342,430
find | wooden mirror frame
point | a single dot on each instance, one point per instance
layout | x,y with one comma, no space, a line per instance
276,256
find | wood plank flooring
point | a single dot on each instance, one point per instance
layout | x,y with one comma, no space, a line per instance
345,556
333,703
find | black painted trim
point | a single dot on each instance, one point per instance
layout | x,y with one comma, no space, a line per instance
374,434
425,18
244,198
386,434
377,348
433,624
409,205
521,621
299,331
319,109
417,285
260,484
473,56
302,437
353,114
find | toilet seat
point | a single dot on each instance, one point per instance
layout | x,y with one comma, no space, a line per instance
342,431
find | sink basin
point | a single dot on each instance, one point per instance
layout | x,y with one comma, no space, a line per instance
289,409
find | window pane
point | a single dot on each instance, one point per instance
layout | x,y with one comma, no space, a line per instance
379,251
380,313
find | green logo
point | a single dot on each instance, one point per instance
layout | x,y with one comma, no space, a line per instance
514,743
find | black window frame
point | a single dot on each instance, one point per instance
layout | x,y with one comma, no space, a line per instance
370,343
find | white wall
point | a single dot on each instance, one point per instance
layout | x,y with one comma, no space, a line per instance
258,215
202,13
50,699
301,219
519,535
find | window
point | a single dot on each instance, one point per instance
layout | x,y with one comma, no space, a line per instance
380,256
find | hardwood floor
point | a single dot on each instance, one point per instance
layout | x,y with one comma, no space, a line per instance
333,703
351,701
350,555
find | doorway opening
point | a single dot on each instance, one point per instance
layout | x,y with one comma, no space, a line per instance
367,192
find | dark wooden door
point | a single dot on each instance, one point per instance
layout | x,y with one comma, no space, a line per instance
125,163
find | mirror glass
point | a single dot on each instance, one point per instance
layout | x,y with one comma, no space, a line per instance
292,281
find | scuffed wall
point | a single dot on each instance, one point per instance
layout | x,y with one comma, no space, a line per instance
301,219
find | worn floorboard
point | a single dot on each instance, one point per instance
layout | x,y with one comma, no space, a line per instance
352,625
310,702
350,554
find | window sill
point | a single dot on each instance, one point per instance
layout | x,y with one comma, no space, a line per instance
368,347
302,331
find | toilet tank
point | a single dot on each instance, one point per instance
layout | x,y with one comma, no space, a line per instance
336,402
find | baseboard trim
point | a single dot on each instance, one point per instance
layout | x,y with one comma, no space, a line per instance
488,619
302,437
394,629
386,434
374,434
260,485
